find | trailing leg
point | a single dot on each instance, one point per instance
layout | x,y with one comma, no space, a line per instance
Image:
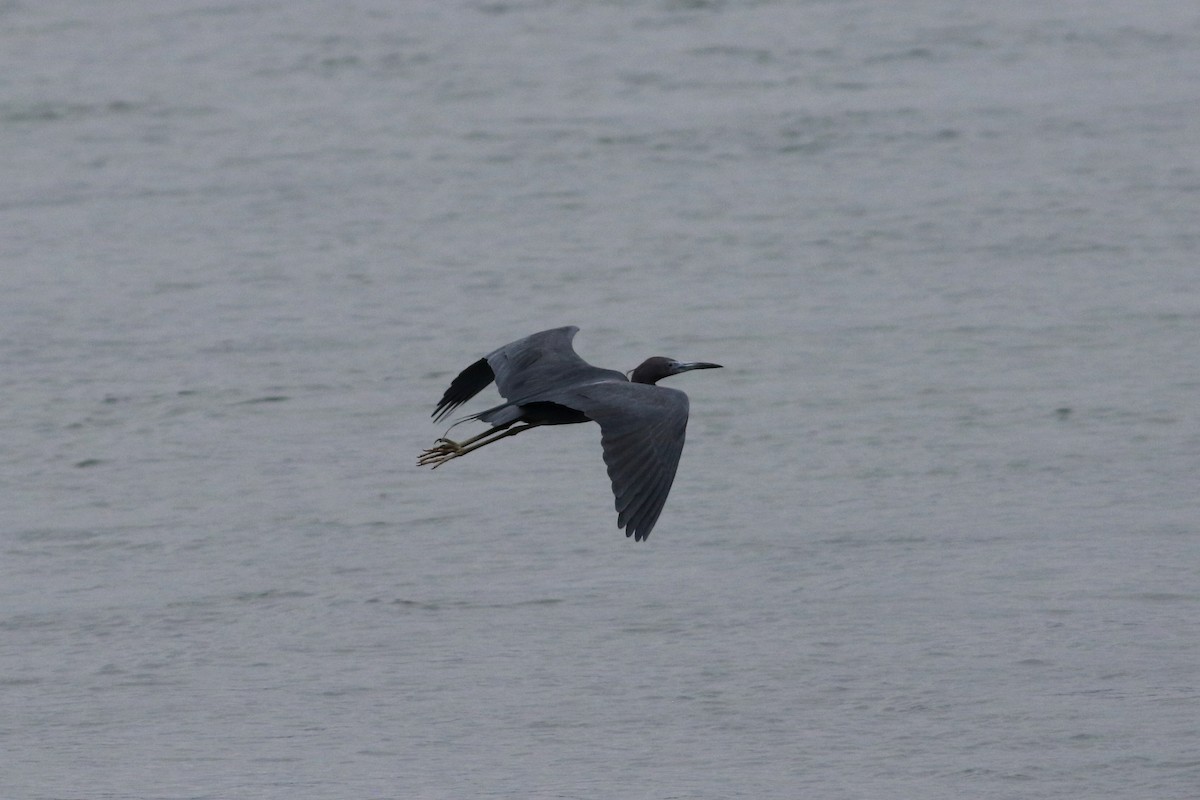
446,450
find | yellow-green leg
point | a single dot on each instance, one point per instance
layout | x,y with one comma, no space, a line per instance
445,449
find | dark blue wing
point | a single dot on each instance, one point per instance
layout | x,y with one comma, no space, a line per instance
470,382
642,430
539,362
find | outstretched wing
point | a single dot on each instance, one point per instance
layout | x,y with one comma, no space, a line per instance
642,430
470,382
531,366
543,362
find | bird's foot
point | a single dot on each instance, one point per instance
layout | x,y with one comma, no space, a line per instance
443,450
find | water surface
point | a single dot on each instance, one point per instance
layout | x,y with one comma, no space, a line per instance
935,530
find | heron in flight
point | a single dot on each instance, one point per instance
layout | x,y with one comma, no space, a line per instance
544,382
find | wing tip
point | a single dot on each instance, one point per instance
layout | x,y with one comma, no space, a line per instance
637,531
468,383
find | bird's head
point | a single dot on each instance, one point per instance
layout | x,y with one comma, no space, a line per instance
654,369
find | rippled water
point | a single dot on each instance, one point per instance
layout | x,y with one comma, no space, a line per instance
935,531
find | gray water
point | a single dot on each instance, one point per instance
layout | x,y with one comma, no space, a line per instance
935,532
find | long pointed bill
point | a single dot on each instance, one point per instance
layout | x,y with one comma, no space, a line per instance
687,366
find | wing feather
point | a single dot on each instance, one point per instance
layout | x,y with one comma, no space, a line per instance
541,364
642,430
470,382
535,365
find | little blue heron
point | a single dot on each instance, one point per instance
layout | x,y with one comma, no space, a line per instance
544,382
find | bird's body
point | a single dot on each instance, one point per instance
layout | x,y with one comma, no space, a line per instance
544,382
